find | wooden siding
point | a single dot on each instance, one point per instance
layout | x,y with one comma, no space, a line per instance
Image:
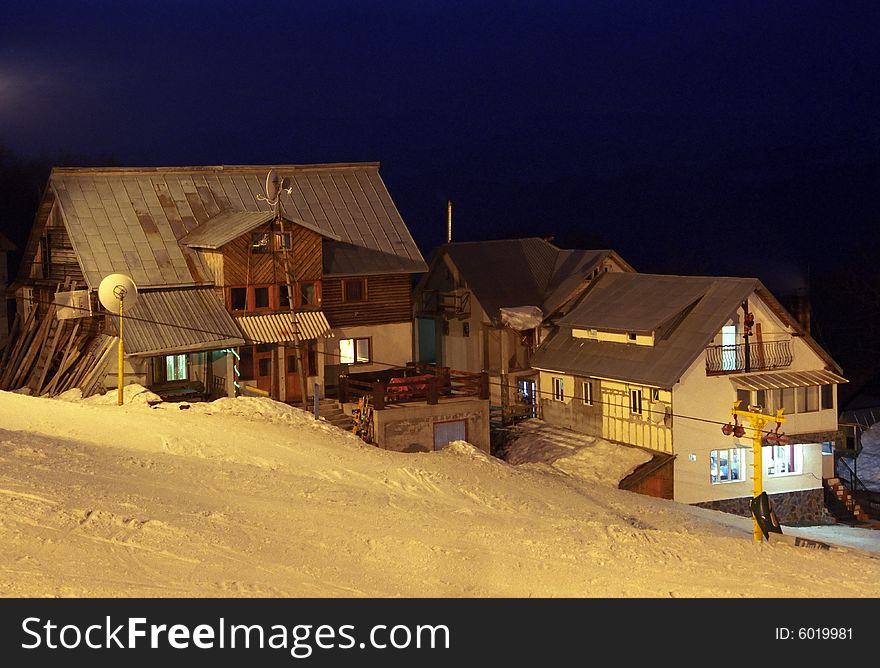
389,299
62,258
214,261
242,267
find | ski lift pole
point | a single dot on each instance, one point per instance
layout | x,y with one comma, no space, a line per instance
757,421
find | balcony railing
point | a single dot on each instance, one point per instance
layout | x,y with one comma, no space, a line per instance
415,382
762,356
449,304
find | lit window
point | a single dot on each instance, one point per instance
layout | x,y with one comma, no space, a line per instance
354,351
175,367
727,465
588,393
783,459
635,402
559,389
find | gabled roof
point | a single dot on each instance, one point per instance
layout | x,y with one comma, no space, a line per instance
508,273
132,220
630,302
224,227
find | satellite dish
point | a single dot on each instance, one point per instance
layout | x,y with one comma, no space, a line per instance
117,288
272,185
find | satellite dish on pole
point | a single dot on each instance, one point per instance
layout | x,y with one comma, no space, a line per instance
272,185
116,292
115,289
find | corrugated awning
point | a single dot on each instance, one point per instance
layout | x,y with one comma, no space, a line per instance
166,322
779,380
280,327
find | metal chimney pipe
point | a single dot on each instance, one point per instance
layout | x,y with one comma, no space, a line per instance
448,220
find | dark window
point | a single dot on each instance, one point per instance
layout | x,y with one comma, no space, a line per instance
761,398
265,348
238,298
631,336
291,364
465,329
283,297
307,294
260,242
261,297
282,241
354,289
265,366
744,397
827,396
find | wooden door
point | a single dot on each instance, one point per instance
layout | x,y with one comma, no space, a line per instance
263,357
293,383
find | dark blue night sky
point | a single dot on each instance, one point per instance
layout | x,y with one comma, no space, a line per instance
692,137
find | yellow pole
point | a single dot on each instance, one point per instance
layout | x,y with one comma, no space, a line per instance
120,361
757,448
757,420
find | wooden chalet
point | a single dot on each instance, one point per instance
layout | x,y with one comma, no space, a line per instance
233,294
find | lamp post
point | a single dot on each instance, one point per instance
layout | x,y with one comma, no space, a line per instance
757,420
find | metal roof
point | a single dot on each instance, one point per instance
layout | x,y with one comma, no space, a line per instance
166,322
508,273
676,347
280,327
634,303
229,225
130,220
778,380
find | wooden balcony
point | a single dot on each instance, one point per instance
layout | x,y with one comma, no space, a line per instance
455,304
415,382
741,357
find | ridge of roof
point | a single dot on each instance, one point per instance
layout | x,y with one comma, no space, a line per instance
183,169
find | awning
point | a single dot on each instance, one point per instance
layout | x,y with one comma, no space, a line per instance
280,327
779,380
166,322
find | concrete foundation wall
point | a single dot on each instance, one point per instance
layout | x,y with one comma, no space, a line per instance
410,427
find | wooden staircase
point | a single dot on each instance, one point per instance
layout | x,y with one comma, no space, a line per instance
332,411
841,504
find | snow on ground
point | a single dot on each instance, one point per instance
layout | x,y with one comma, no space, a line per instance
869,458
248,497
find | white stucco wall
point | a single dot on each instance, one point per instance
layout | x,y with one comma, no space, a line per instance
391,344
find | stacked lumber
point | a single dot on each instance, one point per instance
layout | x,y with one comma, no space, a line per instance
49,356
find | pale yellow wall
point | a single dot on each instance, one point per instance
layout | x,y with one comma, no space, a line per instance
618,423
391,344
465,353
711,398
613,337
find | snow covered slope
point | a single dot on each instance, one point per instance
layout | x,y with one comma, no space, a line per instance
248,497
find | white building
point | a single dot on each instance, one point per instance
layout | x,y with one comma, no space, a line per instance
658,362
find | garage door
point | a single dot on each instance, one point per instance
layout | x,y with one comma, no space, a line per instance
446,432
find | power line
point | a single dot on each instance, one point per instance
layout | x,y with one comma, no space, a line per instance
337,356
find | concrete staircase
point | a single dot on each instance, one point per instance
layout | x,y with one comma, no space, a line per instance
845,507
331,411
